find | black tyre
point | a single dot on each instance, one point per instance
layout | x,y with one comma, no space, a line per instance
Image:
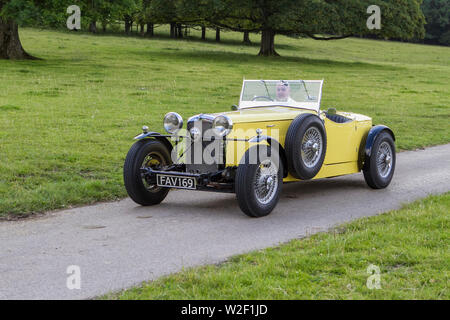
145,153
258,183
306,145
380,166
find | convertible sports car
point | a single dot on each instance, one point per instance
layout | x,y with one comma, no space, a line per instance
276,134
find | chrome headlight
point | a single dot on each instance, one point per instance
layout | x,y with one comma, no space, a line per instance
173,122
222,125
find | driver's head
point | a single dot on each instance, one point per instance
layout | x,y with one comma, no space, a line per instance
283,90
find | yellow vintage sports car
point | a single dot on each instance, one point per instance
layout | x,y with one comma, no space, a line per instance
276,134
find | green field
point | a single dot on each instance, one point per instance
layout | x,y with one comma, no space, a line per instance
67,121
410,246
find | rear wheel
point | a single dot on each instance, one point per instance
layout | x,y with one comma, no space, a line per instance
258,185
379,167
145,154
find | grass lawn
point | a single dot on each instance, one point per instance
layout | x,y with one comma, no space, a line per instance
67,121
410,246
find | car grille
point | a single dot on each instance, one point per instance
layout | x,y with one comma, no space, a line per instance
195,163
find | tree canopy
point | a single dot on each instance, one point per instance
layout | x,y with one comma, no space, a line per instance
318,19
401,19
437,14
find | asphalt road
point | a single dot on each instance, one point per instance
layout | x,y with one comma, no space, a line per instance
119,244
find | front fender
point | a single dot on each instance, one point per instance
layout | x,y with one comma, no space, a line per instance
236,149
157,136
273,143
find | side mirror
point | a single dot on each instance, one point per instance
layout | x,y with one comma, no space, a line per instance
234,107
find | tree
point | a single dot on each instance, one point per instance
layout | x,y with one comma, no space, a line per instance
147,17
337,19
203,32
217,34
11,13
246,38
437,15
108,12
164,11
52,13
128,13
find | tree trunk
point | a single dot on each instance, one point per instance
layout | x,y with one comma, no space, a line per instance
142,25
246,37
203,33
93,27
10,45
268,43
172,29
218,34
179,30
104,24
127,25
150,28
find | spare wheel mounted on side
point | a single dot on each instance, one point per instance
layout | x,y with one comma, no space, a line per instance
306,145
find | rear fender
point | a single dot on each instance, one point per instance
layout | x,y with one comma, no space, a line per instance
371,137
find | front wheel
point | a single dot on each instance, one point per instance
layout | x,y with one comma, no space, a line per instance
145,154
379,167
259,181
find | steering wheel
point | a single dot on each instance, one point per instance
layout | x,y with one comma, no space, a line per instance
262,97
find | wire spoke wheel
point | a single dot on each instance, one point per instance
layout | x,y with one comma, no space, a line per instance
312,145
379,165
153,160
266,181
141,188
384,159
258,185
305,145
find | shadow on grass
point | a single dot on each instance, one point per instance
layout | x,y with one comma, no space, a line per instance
210,40
59,64
241,57
197,55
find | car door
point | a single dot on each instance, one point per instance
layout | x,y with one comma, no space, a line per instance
341,145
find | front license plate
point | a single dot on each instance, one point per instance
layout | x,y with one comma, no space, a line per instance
180,182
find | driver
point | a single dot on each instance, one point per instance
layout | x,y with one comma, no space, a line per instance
284,91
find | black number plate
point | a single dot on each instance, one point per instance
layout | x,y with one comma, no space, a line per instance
180,182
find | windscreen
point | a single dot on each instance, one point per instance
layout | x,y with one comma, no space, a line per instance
296,93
